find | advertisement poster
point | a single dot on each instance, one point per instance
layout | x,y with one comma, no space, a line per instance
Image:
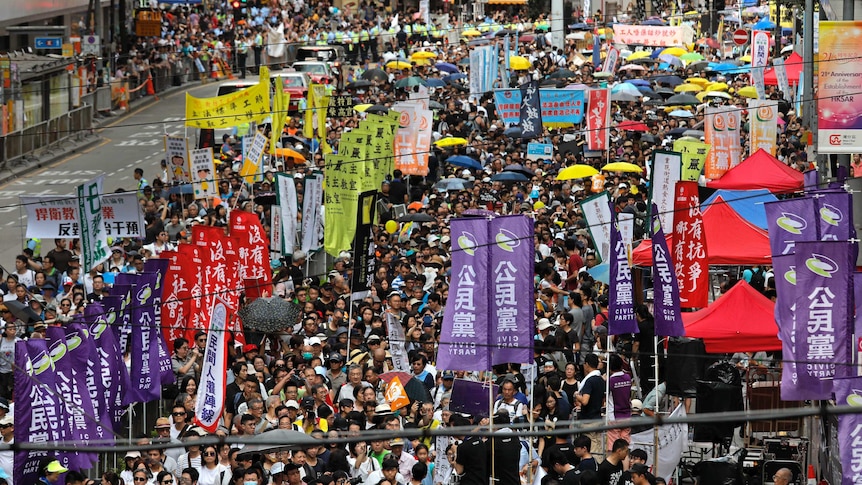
721,130
838,87
762,125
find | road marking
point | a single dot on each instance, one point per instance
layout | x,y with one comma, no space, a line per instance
107,140
10,223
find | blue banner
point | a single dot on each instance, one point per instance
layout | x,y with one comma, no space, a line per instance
531,114
558,105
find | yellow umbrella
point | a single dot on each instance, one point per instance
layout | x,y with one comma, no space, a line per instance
519,63
576,172
422,62
717,87
638,55
748,92
423,55
698,80
688,88
287,152
673,51
398,65
450,141
361,108
622,167
745,58
471,33
700,95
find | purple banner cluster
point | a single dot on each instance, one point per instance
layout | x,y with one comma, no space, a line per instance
668,314
621,309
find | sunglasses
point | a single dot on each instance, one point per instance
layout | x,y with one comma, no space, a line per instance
209,453
178,414
140,479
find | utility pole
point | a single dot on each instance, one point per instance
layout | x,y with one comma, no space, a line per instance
848,14
809,104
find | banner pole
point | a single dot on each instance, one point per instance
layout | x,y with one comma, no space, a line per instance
655,428
607,391
492,475
532,428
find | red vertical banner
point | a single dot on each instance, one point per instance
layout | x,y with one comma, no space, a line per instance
190,263
175,296
253,249
211,242
598,118
689,252
234,289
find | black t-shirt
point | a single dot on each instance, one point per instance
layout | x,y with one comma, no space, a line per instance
571,477
595,387
565,448
610,474
473,456
61,259
507,454
397,191
569,391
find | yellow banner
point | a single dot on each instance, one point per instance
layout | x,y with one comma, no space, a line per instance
250,170
280,104
243,106
694,154
341,199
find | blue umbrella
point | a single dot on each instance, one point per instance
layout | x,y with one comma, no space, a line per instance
509,177
601,272
653,22
464,161
454,77
723,67
764,24
647,91
672,81
638,82
513,131
434,83
182,189
446,67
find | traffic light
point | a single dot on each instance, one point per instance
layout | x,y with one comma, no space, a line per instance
236,4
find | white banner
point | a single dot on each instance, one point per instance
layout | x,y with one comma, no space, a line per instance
395,333
763,125
286,190
57,216
176,154
759,59
202,173
94,237
626,223
250,170
312,213
672,442
781,76
666,172
442,468
275,233
597,212
210,404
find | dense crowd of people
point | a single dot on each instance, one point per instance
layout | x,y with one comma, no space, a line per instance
325,374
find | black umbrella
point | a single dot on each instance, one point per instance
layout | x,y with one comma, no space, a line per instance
416,217
279,440
362,83
557,83
378,109
270,314
562,74
435,105
518,168
375,75
682,99
504,32
698,66
654,102
666,92
22,311
648,138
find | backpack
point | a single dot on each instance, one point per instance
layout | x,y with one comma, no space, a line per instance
758,279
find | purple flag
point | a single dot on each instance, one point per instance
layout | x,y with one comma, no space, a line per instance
464,341
811,179
824,270
511,300
145,371
166,370
790,221
835,215
40,420
621,309
114,375
668,314
848,392
124,317
531,110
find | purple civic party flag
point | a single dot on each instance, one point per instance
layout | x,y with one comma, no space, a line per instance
621,309
834,215
145,371
668,314
166,370
824,273
848,392
512,305
464,341
124,283
531,110
41,420
114,375
789,221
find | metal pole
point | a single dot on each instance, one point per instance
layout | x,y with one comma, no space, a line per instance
808,107
655,428
849,13
607,393
493,473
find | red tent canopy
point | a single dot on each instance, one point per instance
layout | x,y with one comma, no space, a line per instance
760,171
793,66
741,320
730,239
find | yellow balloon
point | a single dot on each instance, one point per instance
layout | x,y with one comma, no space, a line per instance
391,227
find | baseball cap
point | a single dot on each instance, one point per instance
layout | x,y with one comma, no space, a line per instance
7,420
133,454
162,423
448,374
249,348
291,404
396,442
314,341
308,402
637,405
336,357
56,467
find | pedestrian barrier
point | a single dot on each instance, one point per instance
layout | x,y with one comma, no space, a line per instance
46,137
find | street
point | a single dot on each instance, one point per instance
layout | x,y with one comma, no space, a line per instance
129,142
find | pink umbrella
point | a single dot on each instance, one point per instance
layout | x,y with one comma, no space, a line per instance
629,125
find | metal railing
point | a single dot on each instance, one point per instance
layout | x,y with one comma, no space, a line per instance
45,137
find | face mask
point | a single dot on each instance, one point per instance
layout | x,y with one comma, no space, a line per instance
307,355
249,483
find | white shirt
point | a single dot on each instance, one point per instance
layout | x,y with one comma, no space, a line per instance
6,458
211,477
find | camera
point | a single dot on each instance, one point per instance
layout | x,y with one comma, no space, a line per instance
355,481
